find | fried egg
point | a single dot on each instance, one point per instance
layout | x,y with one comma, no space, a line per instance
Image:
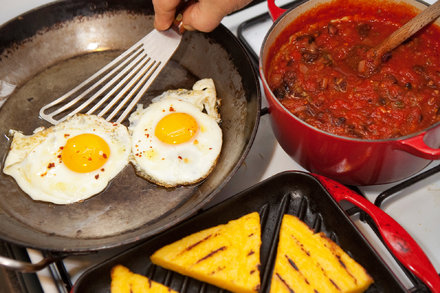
70,161
177,140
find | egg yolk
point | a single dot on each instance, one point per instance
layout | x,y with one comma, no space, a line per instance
85,153
176,128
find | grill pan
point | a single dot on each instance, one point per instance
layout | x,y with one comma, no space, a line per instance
48,50
295,193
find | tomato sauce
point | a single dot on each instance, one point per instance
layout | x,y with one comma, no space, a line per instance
312,73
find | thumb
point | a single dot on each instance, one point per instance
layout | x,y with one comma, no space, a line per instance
165,11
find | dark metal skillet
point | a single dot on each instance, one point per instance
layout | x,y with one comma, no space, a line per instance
50,49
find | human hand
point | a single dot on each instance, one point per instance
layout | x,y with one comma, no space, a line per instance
204,15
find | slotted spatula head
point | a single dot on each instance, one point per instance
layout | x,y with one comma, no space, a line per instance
113,91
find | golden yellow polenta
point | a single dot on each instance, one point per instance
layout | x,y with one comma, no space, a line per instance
125,281
227,256
309,262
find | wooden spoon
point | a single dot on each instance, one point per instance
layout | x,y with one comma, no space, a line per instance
370,62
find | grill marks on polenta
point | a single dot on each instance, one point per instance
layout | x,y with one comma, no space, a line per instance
201,241
195,244
227,256
309,262
125,281
318,265
211,254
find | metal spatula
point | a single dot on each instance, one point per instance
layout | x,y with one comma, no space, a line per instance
113,91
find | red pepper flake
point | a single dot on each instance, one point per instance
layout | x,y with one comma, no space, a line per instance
104,156
66,135
210,148
102,169
89,159
180,158
148,135
61,148
97,176
51,165
59,156
172,109
43,174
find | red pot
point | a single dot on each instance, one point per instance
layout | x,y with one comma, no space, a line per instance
348,160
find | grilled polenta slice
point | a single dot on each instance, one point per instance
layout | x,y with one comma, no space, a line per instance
125,281
227,256
309,262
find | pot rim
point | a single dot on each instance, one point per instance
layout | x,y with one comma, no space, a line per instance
336,136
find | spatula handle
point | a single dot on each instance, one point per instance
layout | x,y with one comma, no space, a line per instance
178,20
400,243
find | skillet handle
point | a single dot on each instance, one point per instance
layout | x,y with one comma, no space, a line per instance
401,244
416,146
26,267
274,11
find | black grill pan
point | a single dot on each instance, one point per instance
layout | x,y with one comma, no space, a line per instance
295,193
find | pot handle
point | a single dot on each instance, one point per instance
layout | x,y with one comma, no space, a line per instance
26,267
416,146
274,11
400,243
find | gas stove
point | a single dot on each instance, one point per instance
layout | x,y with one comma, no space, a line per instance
414,204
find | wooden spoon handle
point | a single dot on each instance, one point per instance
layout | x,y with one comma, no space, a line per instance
407,30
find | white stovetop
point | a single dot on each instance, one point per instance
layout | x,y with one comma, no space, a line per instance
417,213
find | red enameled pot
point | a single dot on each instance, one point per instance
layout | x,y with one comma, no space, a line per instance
347,160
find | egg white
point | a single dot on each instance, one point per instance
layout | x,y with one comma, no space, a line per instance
34,161
171,165
203,96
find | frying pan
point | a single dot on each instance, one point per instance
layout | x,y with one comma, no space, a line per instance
48,50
